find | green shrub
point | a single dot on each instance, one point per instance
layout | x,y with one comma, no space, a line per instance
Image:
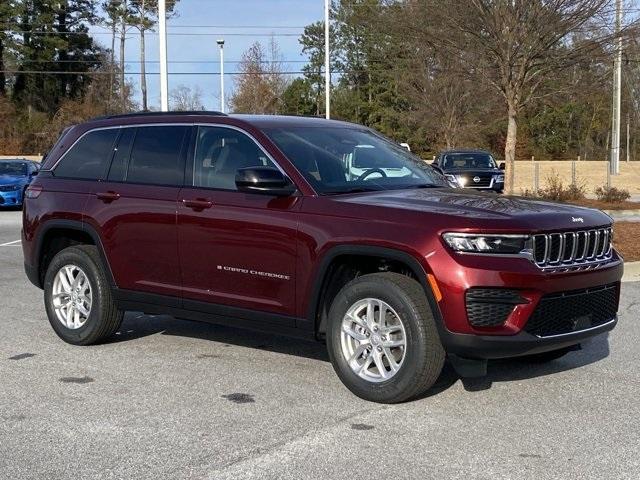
612,194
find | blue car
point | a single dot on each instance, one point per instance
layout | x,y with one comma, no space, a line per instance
15,175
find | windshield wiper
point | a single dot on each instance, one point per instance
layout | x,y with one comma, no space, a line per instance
423,185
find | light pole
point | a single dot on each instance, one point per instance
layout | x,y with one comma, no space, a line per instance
327,73
617,87
220,43
164,80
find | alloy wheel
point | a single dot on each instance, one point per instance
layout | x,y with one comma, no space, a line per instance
373,340
72,296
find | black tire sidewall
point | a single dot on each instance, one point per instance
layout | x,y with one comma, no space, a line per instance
90,330
416,355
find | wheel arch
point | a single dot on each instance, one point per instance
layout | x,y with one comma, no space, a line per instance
67,233
321,295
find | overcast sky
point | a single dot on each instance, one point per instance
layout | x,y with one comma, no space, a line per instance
239,22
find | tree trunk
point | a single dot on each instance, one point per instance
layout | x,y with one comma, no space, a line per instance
143,72
112,74
510,147
63,56
3,79
123,89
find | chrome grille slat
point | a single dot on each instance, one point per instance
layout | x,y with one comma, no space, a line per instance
570,251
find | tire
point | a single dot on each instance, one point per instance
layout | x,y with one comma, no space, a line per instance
545,357
103,319
417,365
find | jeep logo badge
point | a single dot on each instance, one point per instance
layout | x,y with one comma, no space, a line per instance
476,179
577,219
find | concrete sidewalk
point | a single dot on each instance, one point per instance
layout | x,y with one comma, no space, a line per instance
631,272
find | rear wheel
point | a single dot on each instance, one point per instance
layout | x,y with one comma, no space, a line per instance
382,338
78,297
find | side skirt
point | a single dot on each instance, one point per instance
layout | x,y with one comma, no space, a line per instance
154,304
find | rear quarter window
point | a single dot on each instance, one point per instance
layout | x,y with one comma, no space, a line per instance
89,158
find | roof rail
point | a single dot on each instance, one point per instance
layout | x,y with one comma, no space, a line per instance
161,114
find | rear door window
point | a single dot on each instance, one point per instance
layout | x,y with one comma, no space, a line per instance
89,158
156,156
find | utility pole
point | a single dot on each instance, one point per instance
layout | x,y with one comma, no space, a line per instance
220,42
617,87
164,80
327,72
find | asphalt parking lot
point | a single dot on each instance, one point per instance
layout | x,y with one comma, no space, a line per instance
178,399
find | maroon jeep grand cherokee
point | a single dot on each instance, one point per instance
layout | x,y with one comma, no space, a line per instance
316,228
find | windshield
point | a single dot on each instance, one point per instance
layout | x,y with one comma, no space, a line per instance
339,160
13,168
468,160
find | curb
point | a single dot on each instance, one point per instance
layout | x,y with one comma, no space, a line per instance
631,272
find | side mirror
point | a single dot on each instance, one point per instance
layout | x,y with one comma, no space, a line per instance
502,166
265,180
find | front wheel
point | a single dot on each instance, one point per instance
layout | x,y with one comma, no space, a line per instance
382,338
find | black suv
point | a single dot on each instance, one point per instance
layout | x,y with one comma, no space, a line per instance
475,169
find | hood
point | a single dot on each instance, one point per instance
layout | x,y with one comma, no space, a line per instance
473,171
482,210
12,179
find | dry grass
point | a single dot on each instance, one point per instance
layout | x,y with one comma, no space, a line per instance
600,205
625,239
591,174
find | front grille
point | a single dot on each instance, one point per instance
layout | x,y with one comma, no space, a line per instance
568,249
484,182
7,188
490,307
569,312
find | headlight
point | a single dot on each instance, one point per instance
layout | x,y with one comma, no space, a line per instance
462,181
489,244
452,180
499,178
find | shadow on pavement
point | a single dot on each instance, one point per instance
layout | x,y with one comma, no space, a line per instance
515,369
137,326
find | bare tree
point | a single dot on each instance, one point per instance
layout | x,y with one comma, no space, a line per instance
184,98
260,83
515,44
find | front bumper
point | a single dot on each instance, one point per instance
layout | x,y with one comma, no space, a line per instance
11,199
523,343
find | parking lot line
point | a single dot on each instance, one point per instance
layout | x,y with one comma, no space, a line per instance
11,244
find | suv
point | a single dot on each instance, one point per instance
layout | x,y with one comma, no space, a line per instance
471,169
261,222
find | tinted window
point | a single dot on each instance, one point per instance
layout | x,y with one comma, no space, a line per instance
121,156
220,152
89,157
155,156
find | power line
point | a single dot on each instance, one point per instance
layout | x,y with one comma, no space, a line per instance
197,62
71,72
149,32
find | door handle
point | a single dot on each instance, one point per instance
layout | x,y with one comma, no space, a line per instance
108,197
198,204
